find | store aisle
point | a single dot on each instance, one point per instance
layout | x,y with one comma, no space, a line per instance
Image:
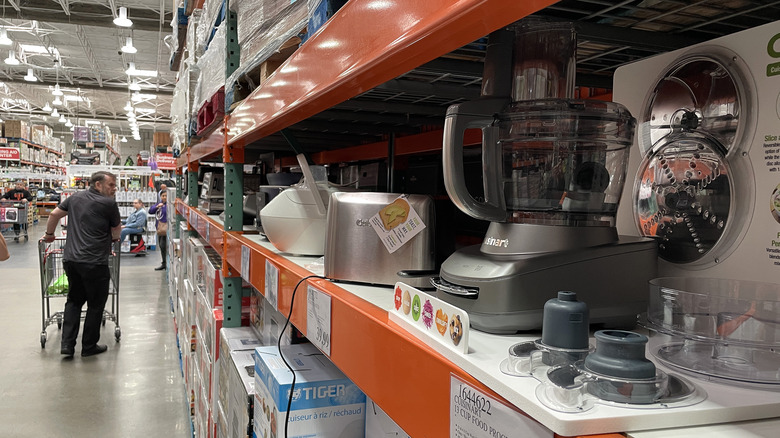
133,390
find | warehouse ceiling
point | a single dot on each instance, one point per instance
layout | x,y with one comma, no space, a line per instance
76,45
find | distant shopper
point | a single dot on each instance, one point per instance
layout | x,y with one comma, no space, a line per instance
163,189
4,255
18,194
94,223
135,222
160,211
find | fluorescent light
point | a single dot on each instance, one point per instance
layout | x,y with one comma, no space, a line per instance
91,122
134,86
124,139
11,60
128,47
57,101
46,107
145,110
62,118
138,97
56,91
69,98
122,20
132,71
4,40
38,50
55,113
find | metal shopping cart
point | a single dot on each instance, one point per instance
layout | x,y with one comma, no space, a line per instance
16,213
54,285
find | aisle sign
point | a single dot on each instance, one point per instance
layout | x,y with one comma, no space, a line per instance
318,319
165,161
244,263
272,284
474,414
11,154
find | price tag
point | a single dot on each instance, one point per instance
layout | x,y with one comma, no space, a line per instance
318,319
3,140
474,414
272,284
208,237
244,263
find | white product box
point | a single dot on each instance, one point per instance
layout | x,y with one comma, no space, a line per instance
325,403
379,424
241,393
221,422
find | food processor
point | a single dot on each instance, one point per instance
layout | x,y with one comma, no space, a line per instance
553,173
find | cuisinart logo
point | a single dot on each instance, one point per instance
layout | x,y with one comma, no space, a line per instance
363,223
318,392
501,243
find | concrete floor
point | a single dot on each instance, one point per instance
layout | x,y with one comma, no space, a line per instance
135,389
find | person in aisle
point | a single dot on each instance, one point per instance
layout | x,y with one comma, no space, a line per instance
135,222
4,255
163,189
160,211
18,194
94,223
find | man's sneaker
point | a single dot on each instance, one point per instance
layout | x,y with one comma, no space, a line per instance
97,349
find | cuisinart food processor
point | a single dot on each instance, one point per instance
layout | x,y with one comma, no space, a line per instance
553,173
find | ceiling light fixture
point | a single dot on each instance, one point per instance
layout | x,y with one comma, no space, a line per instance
124,139
128,47
4,40
30,76
55,113
68,123
62,118
11,60
46,107
128,107
132,71
134,86
56,91
57,101
72,128
122,20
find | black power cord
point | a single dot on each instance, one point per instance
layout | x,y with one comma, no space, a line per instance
279,347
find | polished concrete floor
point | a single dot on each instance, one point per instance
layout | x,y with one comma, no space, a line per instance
135,389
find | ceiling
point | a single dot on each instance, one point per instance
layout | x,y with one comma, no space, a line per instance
92,72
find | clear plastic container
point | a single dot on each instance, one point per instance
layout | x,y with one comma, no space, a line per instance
717,328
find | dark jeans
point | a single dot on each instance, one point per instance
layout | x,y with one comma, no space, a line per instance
88,283
162,243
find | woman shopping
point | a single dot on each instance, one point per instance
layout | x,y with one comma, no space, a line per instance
160,211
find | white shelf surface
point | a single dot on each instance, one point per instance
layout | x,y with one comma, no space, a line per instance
724,403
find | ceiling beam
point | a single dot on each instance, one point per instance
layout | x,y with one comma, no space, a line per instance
105,87
84,14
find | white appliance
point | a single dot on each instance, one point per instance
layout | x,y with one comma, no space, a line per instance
704,172
295,221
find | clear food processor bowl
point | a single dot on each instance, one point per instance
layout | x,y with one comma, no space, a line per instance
718,328
564,160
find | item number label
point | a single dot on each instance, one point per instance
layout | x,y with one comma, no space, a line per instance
318,319
245,254
272,284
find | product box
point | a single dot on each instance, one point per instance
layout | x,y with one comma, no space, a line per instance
81,133
325,403
227,385
213,281
241,394
16,129
380,424
221,422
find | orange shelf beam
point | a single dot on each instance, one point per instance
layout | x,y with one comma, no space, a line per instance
211,145
361,47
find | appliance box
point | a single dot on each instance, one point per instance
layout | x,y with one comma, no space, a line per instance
354,251
325,402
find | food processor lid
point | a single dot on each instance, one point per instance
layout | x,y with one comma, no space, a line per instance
683,197
699,93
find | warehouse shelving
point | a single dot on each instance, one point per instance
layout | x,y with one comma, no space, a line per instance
366,44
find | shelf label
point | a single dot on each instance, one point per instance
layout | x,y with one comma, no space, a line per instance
272,284
396,224
474,414
430,318
318,318
208,237
244,263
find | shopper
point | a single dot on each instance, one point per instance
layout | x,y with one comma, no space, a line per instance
161,213
93,224
18,194
163,188
135,222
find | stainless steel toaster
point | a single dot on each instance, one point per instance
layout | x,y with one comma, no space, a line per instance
354,251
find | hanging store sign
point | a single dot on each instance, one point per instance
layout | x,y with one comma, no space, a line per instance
165,161
11,154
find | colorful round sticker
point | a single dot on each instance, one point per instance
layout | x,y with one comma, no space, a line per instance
397,298
427,314
416,308
407,302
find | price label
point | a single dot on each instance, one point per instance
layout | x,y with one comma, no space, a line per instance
272,284
244,262
474,414
318,319
3,140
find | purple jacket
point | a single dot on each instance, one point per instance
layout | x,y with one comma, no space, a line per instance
160,213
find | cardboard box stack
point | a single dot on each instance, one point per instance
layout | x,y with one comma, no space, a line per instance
16,129
325,403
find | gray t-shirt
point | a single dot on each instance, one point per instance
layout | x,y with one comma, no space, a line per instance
90,219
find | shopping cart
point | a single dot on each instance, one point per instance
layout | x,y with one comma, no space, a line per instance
54,285
15,212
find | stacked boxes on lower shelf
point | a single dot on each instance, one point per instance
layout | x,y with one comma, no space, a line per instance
325,403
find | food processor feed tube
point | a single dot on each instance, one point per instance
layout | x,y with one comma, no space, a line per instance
553,172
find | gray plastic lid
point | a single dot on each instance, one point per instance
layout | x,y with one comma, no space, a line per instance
621,354
565,323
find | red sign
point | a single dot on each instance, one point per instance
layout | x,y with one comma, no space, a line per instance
11,154
165,161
